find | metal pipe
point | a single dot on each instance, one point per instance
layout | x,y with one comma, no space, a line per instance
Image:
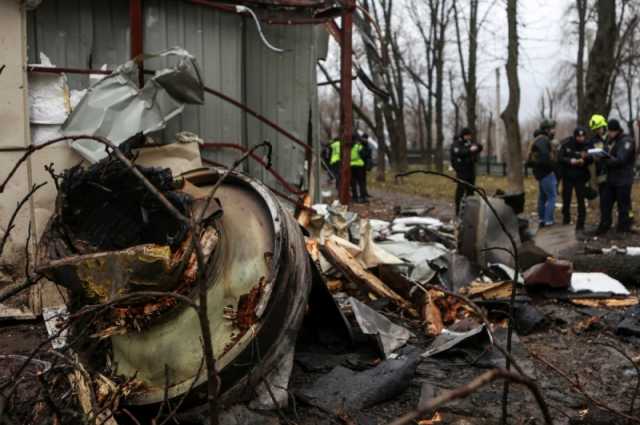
270,170
295,202
258,116
346,102
61,70
135,31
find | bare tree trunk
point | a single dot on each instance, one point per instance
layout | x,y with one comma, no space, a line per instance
489,150
602,60
439,154
454,103
440,13
428,123
382,144
510,114
581,6
469,74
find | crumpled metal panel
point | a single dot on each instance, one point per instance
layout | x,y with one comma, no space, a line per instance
116,109
105,275
480,232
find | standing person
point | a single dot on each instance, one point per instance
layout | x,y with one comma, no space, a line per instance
464,155
575,161
619,166
334,160
358,173
598,125
367,155
544,170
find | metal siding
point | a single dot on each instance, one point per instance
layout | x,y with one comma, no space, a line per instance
278,86
80,33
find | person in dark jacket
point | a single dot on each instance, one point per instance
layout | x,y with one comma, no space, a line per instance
574,159
358,172
464,155
541,160
619,165
367,156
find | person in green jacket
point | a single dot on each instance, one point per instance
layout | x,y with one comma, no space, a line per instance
333,159
358,171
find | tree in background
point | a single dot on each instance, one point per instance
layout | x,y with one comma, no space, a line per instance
511,113
469,72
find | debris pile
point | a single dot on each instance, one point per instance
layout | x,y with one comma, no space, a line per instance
192,292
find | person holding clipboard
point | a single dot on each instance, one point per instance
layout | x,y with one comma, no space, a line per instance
619,161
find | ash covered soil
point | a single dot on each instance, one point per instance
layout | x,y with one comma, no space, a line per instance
570,340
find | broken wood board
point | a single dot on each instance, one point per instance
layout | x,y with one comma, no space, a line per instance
607,303
305,213
432,316
351,267
86,398
8,313
489,291
556,239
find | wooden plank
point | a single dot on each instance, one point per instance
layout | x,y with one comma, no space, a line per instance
351,267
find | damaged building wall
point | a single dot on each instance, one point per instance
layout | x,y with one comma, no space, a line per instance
14,123
233,60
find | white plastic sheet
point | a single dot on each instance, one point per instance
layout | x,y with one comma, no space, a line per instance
597,282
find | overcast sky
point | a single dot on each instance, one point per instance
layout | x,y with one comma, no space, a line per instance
544,46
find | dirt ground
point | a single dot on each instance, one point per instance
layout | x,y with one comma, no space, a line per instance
569,339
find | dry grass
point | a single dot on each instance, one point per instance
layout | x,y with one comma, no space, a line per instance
436,187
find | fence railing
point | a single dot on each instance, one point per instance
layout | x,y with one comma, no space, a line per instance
491,166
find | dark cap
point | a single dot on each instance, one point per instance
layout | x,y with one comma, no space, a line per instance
547,125
579,131
614,125
466,132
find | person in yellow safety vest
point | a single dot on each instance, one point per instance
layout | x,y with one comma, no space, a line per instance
358,171
334,160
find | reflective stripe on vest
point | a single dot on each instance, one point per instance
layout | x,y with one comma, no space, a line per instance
356,158
335,152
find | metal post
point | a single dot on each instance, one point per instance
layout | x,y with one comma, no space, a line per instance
135,28
346,106
498,142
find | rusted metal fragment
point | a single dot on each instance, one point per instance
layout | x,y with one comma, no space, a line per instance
554,273
105,275
247,304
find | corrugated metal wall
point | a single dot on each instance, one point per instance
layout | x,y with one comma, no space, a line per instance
282,87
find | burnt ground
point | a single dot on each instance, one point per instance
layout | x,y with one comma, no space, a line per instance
568,339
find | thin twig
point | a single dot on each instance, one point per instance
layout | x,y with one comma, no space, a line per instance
166,394
184,396
471,387
483,194
578,387
130,415
635,366
235,165
10,291
10,224
121,157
